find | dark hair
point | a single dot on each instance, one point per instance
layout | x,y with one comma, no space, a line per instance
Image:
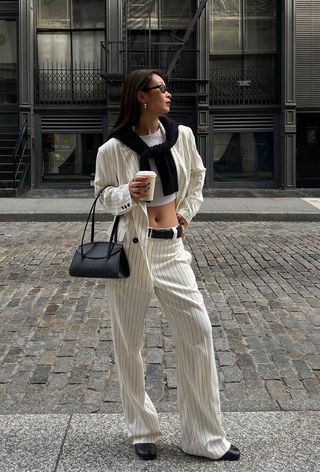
130,107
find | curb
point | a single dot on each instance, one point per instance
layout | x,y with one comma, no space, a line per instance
48,217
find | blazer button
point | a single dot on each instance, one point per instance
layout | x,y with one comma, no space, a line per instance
135,240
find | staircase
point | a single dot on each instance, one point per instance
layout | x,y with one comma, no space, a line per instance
14,160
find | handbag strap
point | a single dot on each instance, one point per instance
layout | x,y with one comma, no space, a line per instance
114,232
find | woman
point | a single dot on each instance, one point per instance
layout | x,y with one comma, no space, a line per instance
143,139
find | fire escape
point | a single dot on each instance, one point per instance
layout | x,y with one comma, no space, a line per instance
143,46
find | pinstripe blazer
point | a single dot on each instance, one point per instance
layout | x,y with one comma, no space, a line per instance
117,164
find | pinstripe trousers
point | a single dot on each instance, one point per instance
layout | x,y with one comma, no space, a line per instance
167,273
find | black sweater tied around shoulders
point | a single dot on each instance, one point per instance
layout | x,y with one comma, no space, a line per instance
161,153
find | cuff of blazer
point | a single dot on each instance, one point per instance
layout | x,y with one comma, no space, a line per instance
118,200
185,214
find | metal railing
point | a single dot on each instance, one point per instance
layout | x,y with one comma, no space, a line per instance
70,86
160,57
117,61
244,86
21,158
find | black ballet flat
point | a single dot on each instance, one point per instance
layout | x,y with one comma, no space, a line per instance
233,454
146,451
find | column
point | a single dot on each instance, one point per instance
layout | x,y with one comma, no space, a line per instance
203,85
288,97
115,60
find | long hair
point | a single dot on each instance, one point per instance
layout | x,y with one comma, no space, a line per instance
130,106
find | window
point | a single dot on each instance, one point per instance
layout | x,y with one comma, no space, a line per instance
244,60
56,49
242,26
88,14
71,14
260,26
225,27
69,33
243,156
8,62
63,48
159,14
69,155
153,28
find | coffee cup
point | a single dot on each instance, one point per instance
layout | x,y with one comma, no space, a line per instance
151,176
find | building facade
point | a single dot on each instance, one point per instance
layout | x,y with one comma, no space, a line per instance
244,74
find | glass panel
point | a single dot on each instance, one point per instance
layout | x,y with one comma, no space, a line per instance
88,85
54,50
176,9
143,14
88,14
176,14
260,35
260,26
260,8
243,156
53,13
86,48
70,155
225,27
8,62
58,152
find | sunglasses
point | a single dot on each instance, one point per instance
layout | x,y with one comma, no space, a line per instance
161,87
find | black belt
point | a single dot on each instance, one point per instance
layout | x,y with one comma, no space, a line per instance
164,233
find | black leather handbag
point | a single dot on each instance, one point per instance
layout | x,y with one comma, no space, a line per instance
100,259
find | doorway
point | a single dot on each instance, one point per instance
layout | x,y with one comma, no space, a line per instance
308,150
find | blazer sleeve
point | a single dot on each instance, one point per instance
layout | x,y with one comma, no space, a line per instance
115,197
190,205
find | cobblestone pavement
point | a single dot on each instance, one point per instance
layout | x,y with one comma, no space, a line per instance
261,285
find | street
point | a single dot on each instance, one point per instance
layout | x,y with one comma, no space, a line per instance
261,285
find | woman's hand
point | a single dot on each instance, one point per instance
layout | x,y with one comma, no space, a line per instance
183,223
138,187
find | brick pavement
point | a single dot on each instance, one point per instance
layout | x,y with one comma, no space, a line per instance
261,285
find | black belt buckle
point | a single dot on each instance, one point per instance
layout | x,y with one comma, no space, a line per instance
164,233
160,233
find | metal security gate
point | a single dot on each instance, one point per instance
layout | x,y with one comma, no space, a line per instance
307,54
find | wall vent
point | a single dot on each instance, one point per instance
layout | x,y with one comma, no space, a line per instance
243,122
9,8
72,124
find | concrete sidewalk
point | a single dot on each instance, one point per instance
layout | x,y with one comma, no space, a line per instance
269,441
213,209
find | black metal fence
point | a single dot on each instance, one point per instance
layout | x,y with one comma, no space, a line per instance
76,86
244,86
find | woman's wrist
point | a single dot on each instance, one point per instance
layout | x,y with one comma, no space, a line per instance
183,223
181,220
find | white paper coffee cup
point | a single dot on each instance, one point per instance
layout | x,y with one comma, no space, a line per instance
151,176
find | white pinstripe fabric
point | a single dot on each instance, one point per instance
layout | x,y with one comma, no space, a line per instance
162,266
173,281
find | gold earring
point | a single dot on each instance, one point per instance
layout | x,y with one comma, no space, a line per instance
145,106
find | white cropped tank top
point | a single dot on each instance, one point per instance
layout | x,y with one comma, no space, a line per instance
158,199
